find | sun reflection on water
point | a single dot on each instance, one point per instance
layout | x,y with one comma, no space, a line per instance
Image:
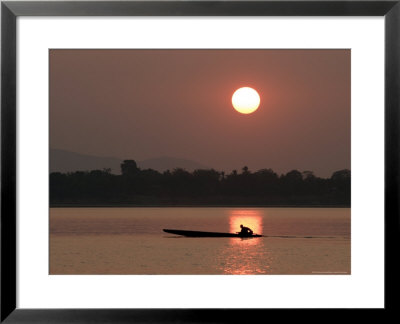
246,255
251,218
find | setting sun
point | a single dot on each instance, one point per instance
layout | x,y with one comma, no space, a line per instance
246,100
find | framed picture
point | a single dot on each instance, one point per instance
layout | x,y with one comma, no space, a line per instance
163,159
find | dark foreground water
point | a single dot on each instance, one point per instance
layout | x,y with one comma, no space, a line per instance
131,241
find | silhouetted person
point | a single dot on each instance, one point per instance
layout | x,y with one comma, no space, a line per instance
245,231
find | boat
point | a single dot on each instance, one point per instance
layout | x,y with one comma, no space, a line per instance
207,234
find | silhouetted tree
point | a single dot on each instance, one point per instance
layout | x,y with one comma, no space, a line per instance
294,176
341,176
308,175
341,186
245,170
129,168
206,182
137,187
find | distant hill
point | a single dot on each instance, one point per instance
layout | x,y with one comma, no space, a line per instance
169,163
66,161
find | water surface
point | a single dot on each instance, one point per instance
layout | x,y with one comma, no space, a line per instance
131,241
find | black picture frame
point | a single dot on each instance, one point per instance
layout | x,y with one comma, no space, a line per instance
10,10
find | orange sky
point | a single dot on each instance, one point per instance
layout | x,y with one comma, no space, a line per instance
140,104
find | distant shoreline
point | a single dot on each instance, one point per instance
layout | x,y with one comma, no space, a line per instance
192,205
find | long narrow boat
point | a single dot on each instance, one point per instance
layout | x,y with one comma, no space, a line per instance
206,234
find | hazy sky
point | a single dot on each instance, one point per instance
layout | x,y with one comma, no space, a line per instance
140,104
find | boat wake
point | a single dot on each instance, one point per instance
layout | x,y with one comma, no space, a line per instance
294,236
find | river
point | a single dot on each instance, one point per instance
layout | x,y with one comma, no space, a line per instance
131,241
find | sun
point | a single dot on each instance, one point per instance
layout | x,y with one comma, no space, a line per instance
246,100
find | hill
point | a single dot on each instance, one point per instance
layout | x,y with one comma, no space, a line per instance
66,161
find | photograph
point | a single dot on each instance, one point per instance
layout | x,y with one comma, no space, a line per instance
199,161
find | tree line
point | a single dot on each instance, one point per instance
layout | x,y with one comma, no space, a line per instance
178,187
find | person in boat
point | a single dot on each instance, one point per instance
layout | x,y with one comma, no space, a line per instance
245,231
